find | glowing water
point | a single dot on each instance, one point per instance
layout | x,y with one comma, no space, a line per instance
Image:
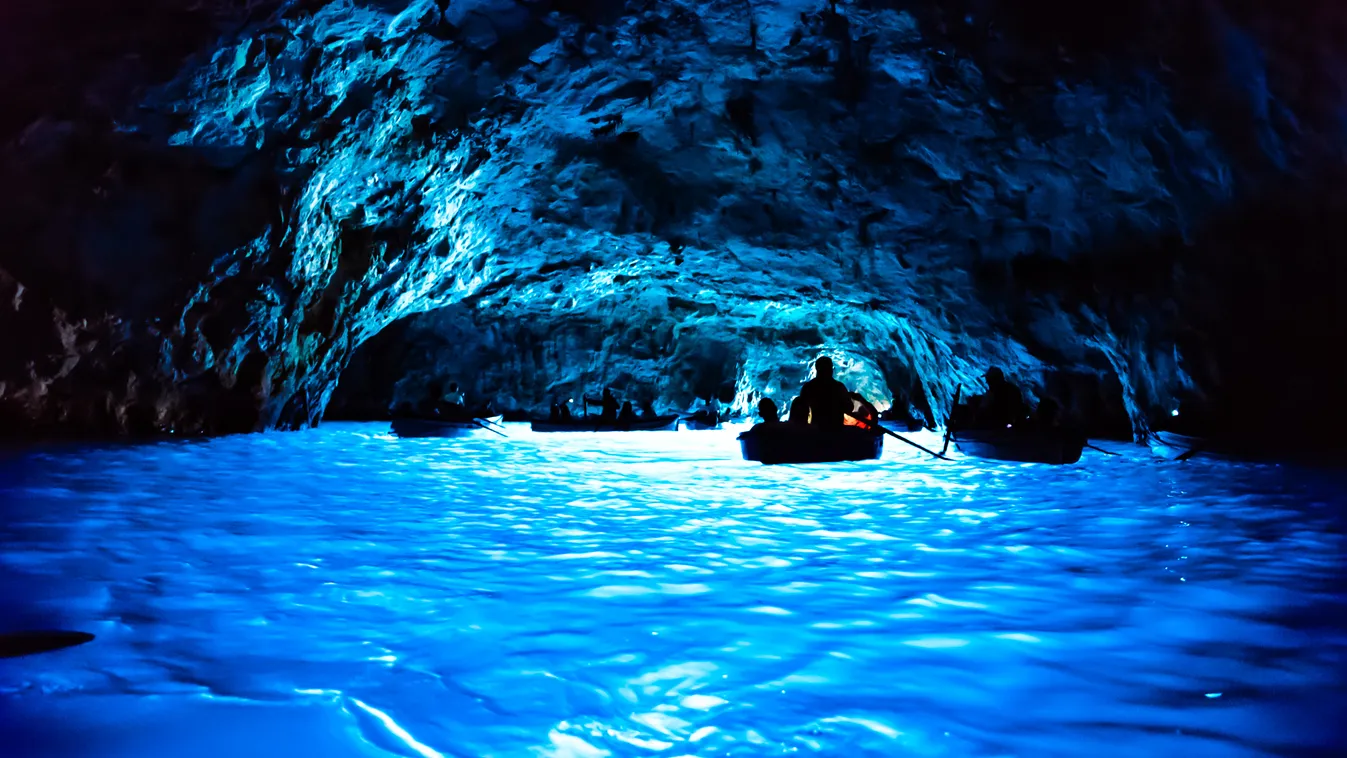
343,593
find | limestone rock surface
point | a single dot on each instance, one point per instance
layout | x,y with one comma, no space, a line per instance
678,198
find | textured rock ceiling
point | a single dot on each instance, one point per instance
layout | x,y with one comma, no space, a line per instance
675,197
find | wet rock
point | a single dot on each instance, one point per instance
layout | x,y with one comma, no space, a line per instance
678,198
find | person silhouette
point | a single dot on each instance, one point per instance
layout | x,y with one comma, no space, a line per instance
799,412
1003,405
768,411
829,400
609,403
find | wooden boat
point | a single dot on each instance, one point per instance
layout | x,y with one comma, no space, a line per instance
426,427
1023,446
593,424
794,443
1175,447
701,422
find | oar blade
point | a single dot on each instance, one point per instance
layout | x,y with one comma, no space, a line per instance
483,423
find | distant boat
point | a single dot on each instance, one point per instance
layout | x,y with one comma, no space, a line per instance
1174,447
424,427
701,421
795,443
1056,447
593,424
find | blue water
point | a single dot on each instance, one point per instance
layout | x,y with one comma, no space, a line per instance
343,593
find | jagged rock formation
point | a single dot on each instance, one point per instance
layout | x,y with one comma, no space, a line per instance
679,197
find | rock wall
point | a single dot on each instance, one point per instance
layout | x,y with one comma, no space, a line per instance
677,197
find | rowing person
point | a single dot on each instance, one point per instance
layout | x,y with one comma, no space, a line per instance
454,403
828,399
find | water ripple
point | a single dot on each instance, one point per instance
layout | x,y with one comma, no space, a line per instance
340,591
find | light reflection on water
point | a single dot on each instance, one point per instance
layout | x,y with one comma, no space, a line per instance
344,593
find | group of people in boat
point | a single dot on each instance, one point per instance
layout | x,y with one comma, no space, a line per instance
611,412
824,402
445,403
1002,406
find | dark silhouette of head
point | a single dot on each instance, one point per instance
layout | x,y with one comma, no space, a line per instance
823,367
995,377
453,386
768,411
799,411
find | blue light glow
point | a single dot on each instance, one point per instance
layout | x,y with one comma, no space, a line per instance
344,593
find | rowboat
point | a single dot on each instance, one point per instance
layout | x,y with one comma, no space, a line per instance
1022,446
425,427
701,422
593,424
793,443
1174,447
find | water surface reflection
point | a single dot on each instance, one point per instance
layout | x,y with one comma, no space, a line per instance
340,593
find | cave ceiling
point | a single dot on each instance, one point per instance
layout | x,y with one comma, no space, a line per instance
679,198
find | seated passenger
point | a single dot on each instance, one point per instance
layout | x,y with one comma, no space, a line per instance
799,412
627,414
454,402
768,411
1002,406
609,404
828,399
709,414
862,413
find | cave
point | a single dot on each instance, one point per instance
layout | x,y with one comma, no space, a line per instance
242,222
226,208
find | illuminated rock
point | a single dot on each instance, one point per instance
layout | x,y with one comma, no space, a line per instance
676,197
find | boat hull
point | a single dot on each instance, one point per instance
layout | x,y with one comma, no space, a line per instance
1021,447
657,424
786,444
424,427
1175,447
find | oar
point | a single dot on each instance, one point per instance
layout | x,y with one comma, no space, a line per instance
482,423
1100,449
892,433
949,426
